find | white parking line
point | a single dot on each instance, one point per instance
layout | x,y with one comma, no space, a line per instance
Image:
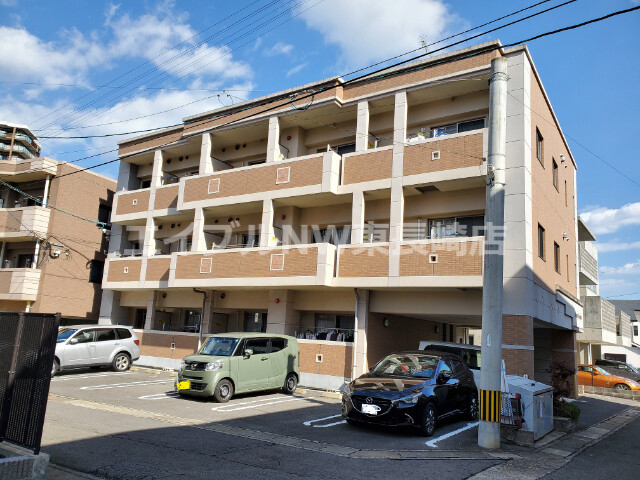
88,375
253,404
325,425
432,443
160,396
122,385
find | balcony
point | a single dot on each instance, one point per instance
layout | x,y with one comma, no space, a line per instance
18,170
307,175
129,206
368,166
599,321
588,263
19,284
122,273
166,198
20,224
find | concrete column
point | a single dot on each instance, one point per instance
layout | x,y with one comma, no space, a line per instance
111,313
360,363
273,142
282,317
36,254
206,314
490,378
149,245
362,129
357,217
267,233
3,251
396,209
198,242
152,301
45,195
206,166
156,174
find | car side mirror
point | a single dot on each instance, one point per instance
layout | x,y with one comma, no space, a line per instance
595,373
247,352
443,377
73,341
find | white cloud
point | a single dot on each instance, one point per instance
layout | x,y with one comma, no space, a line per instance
8,3
367,30
279,48
627,269
296,69
608,220
616,246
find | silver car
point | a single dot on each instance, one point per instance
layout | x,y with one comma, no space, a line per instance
95,346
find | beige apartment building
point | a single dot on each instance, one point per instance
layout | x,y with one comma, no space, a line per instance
350,214
50,261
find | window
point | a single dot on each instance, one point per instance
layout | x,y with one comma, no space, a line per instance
104,213
555,173
585,369
458,367
539,147
332,235
568,268
635,330
124,333
96,271
444,367
456,227
541,241
341,149
556,257
105,334
141,317
258,345
566,196
145,184
255,322
84,337
460,127
278,344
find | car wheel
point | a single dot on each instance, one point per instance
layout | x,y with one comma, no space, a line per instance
428,425
472,410
223,391
622,386
290,383
121,362
56,368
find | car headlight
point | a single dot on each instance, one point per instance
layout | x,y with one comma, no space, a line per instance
213,366
411,399
345,389
183,364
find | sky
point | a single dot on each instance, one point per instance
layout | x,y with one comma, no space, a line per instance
93,68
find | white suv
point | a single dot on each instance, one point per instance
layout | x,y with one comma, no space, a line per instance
95,346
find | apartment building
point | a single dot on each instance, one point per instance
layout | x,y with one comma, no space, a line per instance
50,261
627,321
350,214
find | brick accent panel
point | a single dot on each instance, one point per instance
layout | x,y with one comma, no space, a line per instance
125,202
10,224
453,258
336,359
517,330
519,362
159,344
158,269
457,152
150,142
255,180
364,261
367,167
166,197
116,270
249,264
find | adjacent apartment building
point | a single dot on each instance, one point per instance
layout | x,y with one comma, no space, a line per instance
350,214
50,261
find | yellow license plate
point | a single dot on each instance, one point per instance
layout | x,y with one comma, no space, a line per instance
186,385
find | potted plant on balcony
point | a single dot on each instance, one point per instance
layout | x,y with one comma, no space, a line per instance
565,413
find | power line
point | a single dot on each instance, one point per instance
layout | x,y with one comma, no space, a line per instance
118,87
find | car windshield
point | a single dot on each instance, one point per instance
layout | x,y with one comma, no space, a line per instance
410,365
65,333
223,346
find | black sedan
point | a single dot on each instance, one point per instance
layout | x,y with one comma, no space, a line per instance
412,388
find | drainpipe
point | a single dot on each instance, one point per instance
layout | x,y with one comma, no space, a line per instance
355,336
204,301
45,195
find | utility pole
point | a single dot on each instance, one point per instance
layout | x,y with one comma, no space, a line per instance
489,392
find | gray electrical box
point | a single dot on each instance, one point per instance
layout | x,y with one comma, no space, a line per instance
537,404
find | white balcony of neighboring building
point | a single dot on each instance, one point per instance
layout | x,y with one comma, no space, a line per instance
599,321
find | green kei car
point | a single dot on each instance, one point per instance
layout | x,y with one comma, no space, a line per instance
240,362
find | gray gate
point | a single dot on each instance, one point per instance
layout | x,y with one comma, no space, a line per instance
27,348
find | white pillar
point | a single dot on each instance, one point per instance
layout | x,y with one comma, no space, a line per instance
45,195
267,233
198,242
357,217
362,129
149,245
396,209
205,154
156,175
273,142
360,363
151,310
36,254
282,317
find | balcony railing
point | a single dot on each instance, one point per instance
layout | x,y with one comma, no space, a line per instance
19,283
599,324
131,205
367,166
23,223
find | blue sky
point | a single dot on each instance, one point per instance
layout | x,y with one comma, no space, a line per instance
188,57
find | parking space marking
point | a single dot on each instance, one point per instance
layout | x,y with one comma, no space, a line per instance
432,443
141,383
309,423
88,375
160,396
254,404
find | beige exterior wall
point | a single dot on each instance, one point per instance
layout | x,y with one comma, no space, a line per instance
166,197
458,152
367,166
133,202
363,261
452,258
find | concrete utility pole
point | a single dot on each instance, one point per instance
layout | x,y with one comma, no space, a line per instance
490,397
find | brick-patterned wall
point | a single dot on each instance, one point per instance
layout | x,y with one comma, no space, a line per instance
255,180
367,167
159,344
518,330
116,270
125,202
336,358
10,224
519,362
166,197
457,152
454,258
365,261
254,263
150,142
157,269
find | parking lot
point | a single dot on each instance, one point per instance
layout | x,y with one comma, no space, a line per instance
307,415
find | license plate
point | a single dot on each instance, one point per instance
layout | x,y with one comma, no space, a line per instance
370,409
186,385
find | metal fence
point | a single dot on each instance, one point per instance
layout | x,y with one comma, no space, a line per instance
27,348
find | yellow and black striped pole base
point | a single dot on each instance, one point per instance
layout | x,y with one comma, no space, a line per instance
490,405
